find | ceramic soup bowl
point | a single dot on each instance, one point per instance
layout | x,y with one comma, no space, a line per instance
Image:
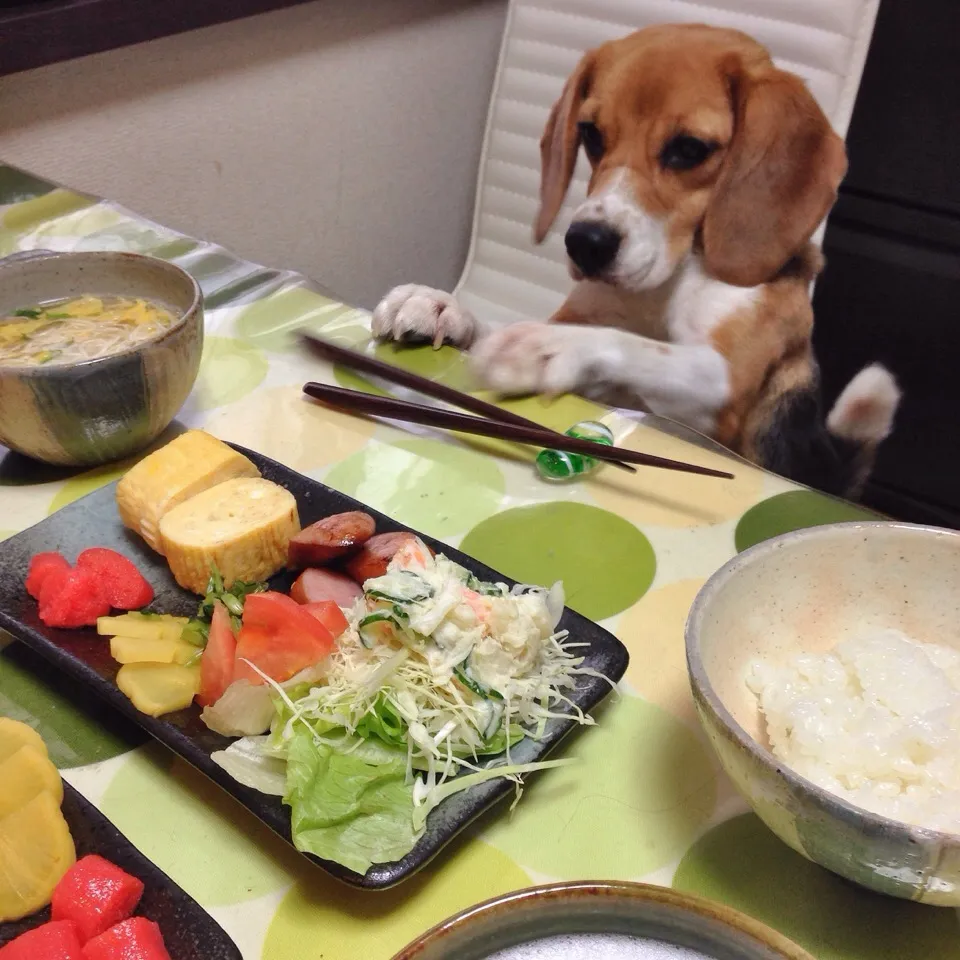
99,410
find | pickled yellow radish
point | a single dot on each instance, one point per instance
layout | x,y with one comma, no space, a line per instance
158,688
14,735
36,850
163,650
141,628
25,774
155,617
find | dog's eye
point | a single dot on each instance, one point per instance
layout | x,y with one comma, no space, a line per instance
684,152
592,140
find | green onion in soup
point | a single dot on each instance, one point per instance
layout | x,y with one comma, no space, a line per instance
79,328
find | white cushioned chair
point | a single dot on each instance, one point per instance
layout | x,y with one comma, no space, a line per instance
506,276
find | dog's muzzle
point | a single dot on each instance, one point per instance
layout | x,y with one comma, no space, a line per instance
592,246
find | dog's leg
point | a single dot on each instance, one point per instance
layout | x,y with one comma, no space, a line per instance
685,382
416,314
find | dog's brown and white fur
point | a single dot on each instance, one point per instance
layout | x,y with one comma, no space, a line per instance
711,170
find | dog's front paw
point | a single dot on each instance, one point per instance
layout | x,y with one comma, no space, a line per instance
537,358
415,314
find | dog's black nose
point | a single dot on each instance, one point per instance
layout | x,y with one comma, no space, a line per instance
592,245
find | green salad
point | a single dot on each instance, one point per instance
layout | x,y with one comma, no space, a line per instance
437,677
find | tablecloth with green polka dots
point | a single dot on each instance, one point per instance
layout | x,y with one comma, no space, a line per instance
645,800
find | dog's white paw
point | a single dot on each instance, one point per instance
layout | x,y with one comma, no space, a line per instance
539,358
415,314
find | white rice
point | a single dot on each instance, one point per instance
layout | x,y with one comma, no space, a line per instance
875,721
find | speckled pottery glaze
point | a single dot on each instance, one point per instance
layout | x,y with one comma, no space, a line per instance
807,591
646,920
99,410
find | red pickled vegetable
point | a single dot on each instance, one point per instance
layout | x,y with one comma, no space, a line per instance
121,583
41,566
56,940
133,939
95,894
72,598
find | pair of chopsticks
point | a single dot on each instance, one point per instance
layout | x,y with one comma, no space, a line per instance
492,421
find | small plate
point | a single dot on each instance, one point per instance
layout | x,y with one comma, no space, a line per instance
93,521
189,932
601,921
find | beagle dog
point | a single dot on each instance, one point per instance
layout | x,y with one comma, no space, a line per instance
691,257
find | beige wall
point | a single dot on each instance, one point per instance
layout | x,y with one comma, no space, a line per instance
340,138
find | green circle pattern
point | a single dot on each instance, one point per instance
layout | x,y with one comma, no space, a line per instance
322,919
229,370
18,186
640,789
741,863
793,510
271,323
438,488
447,365
29,214
197,833
606,564
78,728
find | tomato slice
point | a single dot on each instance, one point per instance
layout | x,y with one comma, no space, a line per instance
216,664
328,612
280,637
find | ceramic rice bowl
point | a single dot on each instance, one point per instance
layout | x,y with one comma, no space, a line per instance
807,591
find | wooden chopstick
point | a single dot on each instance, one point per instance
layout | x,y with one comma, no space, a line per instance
355,401
367,364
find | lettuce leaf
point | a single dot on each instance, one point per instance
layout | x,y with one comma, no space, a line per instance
353,808
250,761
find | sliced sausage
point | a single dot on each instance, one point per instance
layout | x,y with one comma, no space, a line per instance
375,555
329,538
316,584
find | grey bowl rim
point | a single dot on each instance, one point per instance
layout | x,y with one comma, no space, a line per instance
195,310
627,891
700,682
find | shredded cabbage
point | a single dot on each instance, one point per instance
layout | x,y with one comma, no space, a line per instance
440,669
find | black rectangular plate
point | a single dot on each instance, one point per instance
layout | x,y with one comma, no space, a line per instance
189,932
93,521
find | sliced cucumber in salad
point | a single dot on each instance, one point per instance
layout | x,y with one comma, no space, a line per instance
402,587
381,626
466,677
495,711
485,588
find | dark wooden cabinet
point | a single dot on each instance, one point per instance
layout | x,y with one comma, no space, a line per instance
891,289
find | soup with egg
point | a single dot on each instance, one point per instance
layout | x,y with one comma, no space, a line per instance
79,328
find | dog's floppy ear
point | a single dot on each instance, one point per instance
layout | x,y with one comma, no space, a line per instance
559,145
779,179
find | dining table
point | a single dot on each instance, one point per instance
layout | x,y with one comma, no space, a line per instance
645,799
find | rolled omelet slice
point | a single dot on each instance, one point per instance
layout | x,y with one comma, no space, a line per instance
193,462
242,526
